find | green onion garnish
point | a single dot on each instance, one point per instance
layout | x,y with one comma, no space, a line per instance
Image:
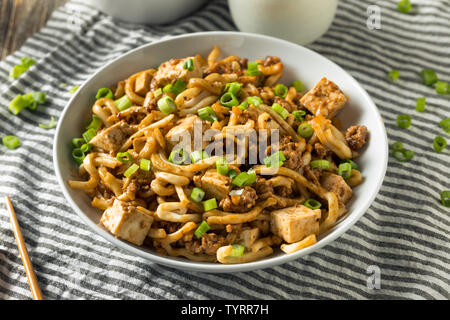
222,166
199,155
189,64
445,125
439,144
176,88
85,148
404,6
208,114
201,230
243,105
252,68
131,170
74,89
280,110
166,105
254,100
197,195
429,77
210,204
19,103
124,157
353,164
441,87
445,198
320,164
145,165
232,174
229,100
18,69
51,125
393,75
237,251
275,160
39,97
345,170
298,85
251,177
298,115
281,90
78,155
403,121
11,142
234,88
305,130
89,134
104,93
95,124
77,142
123,103
240,179
397,146
178,156
312,204
420,104
403,155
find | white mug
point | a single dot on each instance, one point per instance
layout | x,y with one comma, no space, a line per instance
299,21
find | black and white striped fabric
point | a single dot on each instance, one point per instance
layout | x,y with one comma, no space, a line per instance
405,233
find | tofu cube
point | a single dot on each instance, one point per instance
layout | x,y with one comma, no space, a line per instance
111,139
142,84
214,184
127,222
295,223
325,98
336,184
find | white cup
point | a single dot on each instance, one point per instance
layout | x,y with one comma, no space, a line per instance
299,21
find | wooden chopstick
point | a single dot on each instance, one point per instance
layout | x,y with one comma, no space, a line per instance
34,286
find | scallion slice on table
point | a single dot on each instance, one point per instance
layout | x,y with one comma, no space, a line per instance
441,87
201,230
178,156
445,125
50,125
104,93
404,6
281,90
305,130
124,157
404,121
131,170
312,204
237,251
210,204
123,103
439,144
429,77
445,198
397,146
11,142
403,155
421,104
197,195
74,89
298,85
280,110
19,103
320,164
25,64
394,75
145,165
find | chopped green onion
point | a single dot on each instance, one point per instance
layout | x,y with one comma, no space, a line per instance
281,90
11,142
280,110
305,130
178,156
229,100
445,198
95,124
33,106
429,77
275,160
89,134
251,177
85,148
208,114
403,155
232,174
124,157
166,105
345,170
298,85
104,93
298,115
167,88
74,89
197,195
393,75
234,88
199,155
51,125
189,64
77,142
439,144
397,146
78,155
445,125
145,164
353,164
241,179
255,100
320,164
243,105
19,103
404,6
210,204
252,68
201,230
420,104
237,251
441,87
157,92
222,166
404,121
18,69
39,97
176,88
312,204
123,103
131,170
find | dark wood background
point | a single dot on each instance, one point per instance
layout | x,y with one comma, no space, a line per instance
19,19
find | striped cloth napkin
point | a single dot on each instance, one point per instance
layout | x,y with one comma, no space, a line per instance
404,235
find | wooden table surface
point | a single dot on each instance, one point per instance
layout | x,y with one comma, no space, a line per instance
19,19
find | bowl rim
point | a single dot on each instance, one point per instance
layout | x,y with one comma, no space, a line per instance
187,265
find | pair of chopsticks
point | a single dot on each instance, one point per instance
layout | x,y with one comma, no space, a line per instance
34,286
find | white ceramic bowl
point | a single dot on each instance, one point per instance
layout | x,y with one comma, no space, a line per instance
299,63
299,21
147,11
